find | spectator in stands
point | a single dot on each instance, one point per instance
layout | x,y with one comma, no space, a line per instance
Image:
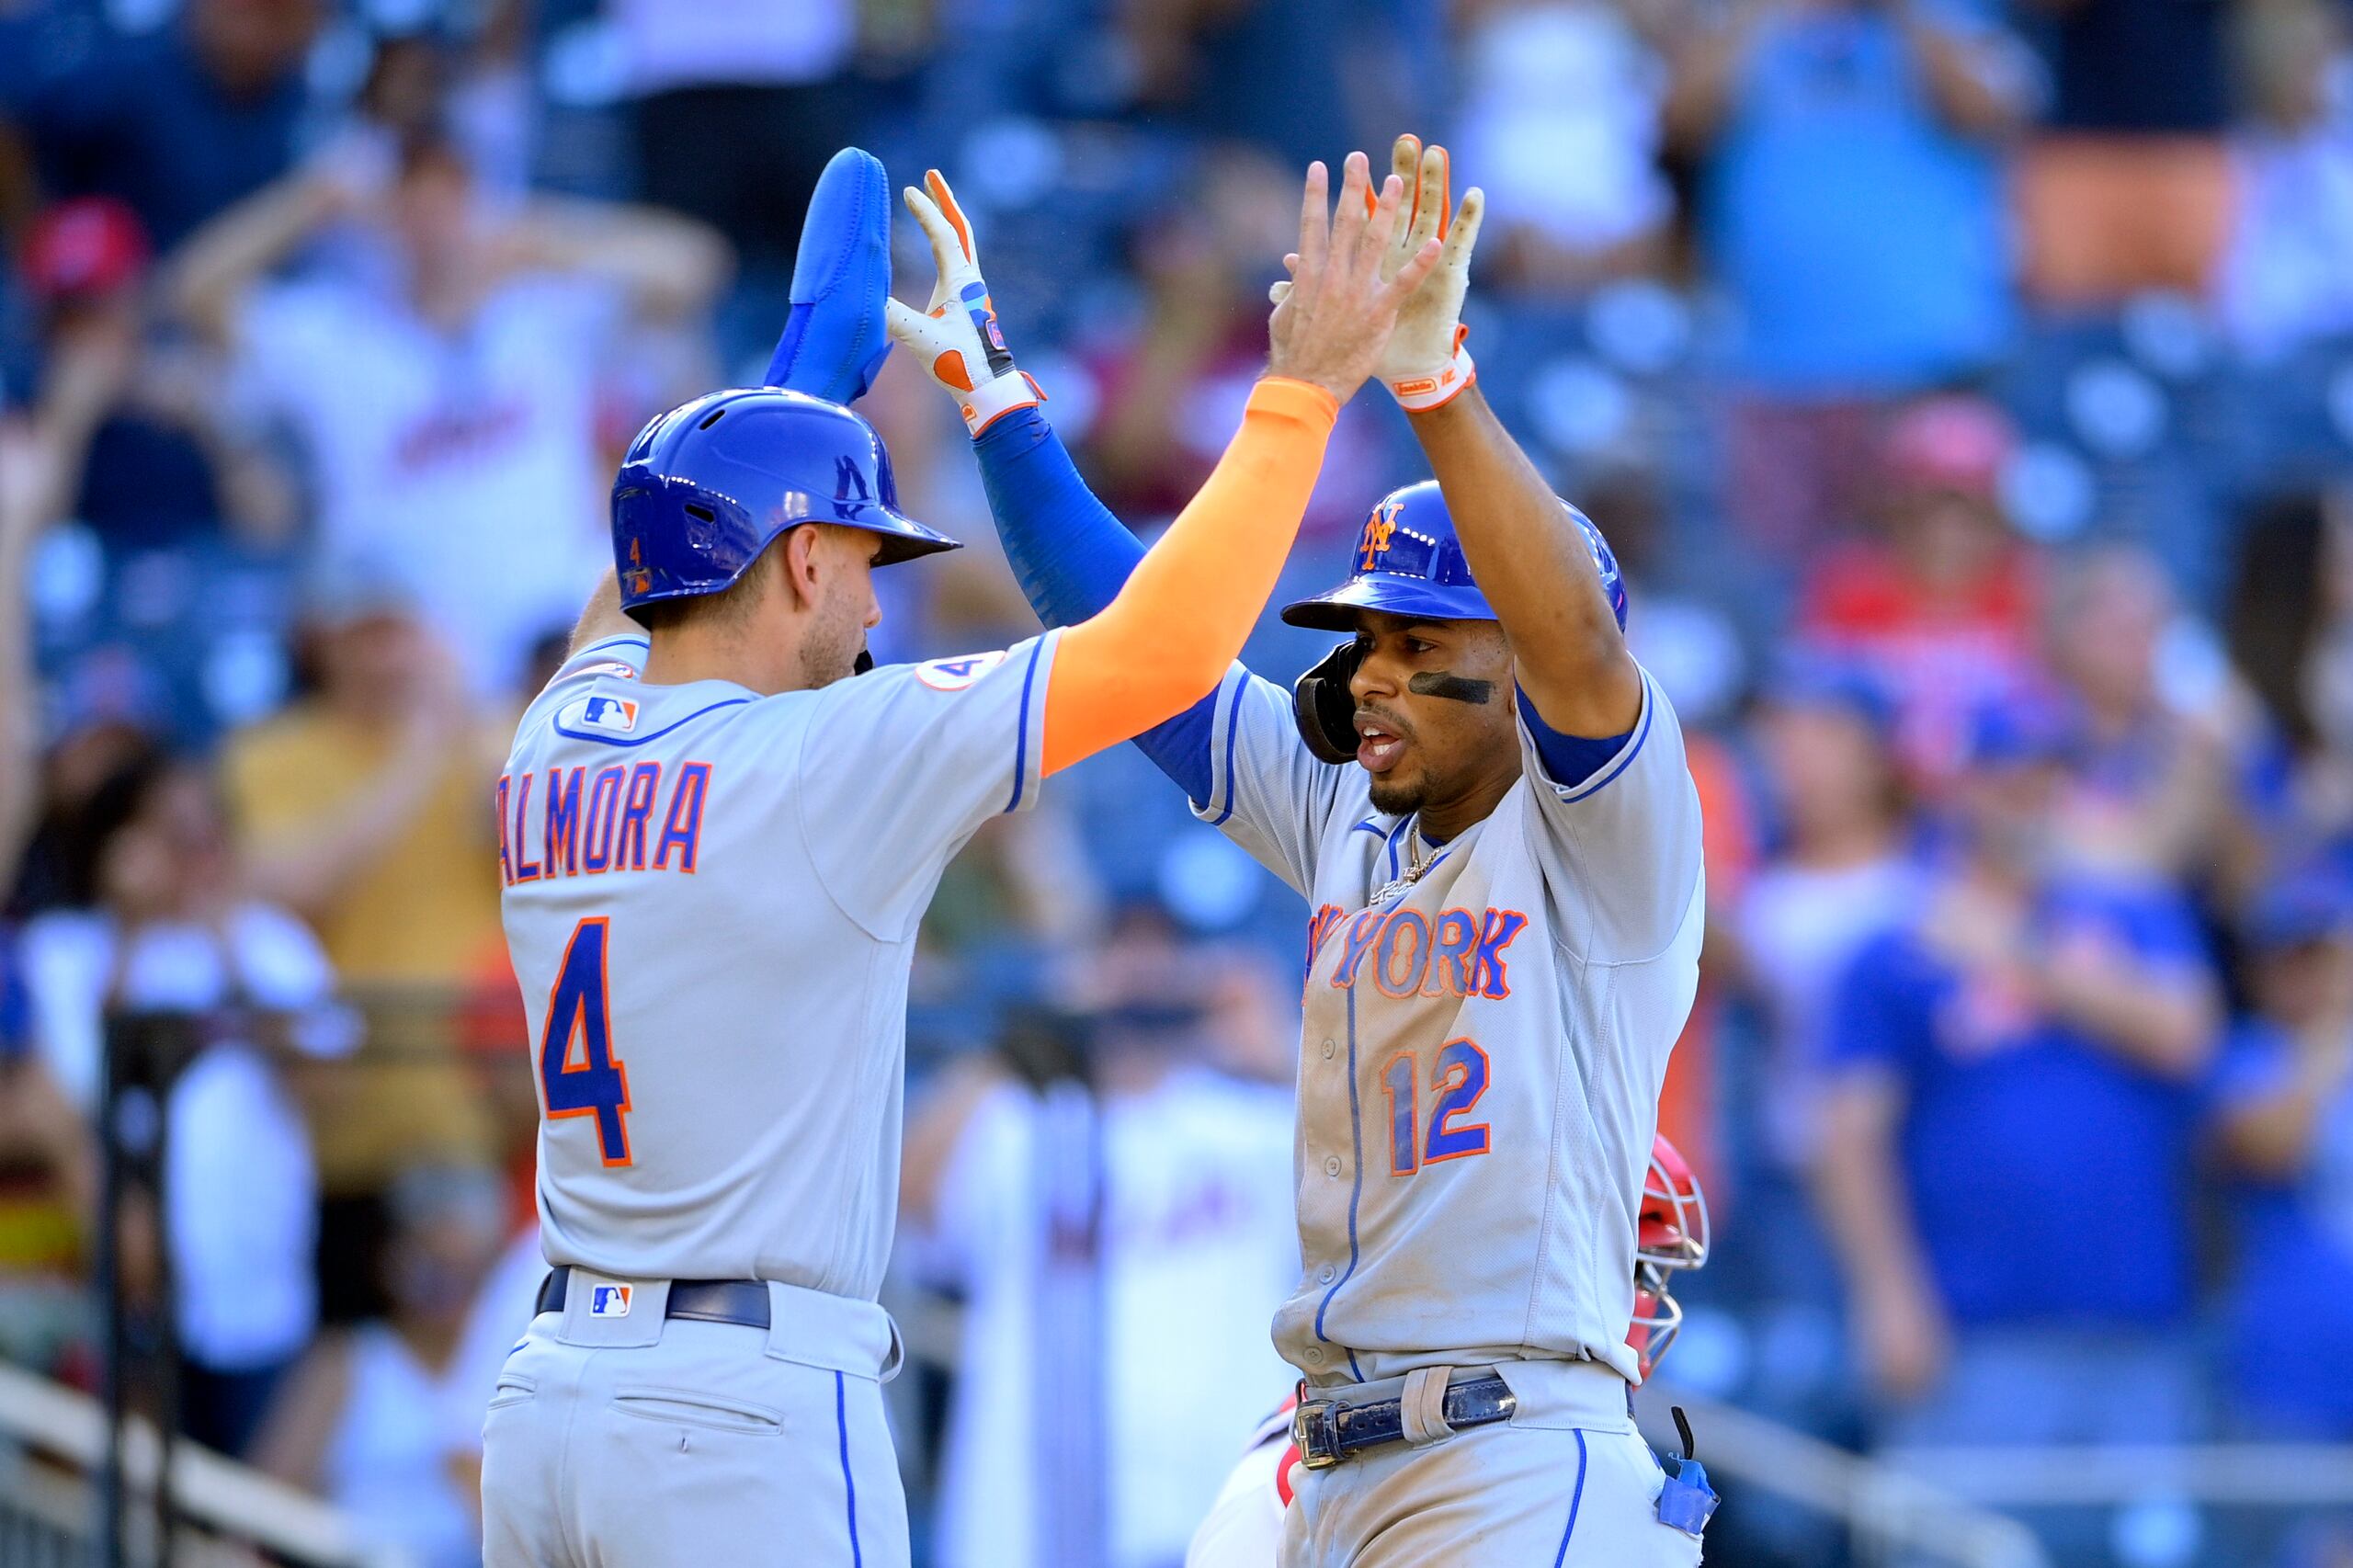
1295,78
2005,1159
1850,207
1203,260
466,72
2282,282
505,1072
2286,1128
136,420
48,1155
361,805
48,1197
2128,186
2290,634
2288,626
94,747
1837,874
32,480
181,122
739,105
451,418
1940,607
1842,872
363,1421
1560,121
1169,1252
169,932
2150,785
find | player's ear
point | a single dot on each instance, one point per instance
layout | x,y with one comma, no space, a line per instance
797,562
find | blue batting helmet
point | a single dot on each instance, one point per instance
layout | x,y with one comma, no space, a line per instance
708,485
1409,562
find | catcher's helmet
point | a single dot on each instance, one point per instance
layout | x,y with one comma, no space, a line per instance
1409,562
1671,1232
708,485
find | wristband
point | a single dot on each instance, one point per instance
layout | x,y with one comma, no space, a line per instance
1419,395
996,397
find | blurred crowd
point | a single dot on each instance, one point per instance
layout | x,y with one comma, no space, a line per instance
1966,386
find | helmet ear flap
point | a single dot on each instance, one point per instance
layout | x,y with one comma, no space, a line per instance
1324,707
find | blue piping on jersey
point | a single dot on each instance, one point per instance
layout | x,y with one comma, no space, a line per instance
1368,825
1355,1190
1576,1500
1233,714
1393,845
849,1487
1649,706
656,735
1021,736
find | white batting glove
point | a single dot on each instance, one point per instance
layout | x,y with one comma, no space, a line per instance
958,343
1426,365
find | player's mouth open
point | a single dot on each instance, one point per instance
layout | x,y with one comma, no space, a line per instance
1378,746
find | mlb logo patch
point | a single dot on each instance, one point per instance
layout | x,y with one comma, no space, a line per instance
955,674
617,714
609,1300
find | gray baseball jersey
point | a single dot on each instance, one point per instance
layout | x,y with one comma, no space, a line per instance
1484,1044
710,901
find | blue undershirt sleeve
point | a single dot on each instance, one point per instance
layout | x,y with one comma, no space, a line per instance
1570,760
1071,557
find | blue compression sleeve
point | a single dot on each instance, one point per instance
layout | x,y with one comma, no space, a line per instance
1068,553
1071,557
1570,760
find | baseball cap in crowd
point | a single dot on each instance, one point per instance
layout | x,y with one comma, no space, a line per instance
85,249
2304,906
1814,680
1955,442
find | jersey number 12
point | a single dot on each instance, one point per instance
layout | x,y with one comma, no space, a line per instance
591,1082
1457,1078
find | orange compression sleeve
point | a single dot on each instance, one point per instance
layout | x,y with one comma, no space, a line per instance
1165,641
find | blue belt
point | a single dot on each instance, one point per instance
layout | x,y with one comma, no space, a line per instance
1329,1430
741,1302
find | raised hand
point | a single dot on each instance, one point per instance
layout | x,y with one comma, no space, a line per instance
1426,366
958,343
1333,325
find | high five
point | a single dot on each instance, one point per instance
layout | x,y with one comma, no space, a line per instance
1485,801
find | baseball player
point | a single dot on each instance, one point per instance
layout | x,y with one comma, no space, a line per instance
1244,1526
716,845
1485,800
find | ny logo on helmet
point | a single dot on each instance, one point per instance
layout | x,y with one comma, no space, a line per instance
1379,529
847,478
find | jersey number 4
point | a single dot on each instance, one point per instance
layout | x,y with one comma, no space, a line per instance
590,1080
1457,1078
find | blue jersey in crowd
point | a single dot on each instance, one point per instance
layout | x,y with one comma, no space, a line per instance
2047,1176
2290,1308
1893,272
